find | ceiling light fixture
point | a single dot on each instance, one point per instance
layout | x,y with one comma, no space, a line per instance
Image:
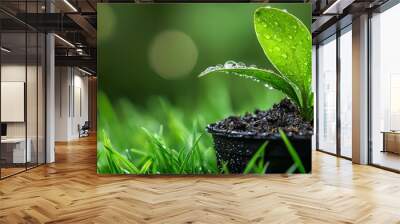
70,5
337,7
64,40
5,50
84,71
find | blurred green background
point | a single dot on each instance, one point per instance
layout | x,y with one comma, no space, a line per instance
149,57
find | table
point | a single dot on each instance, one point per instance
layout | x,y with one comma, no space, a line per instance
391,141
13,150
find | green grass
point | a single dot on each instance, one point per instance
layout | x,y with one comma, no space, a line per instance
162,139
157,141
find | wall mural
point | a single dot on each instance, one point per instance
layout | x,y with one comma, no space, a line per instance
204,88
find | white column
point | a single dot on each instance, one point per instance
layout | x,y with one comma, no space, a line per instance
50,99
360,90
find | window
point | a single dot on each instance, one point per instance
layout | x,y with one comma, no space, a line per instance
346,92
385,89
327,95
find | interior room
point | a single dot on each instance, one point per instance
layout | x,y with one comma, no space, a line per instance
385,75
22,102
49,151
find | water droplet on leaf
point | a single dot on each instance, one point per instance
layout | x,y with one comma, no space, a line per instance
229,64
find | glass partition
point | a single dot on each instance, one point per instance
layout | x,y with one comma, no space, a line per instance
327,95
32,95
15,152
22,78
385,89
41,107
346,92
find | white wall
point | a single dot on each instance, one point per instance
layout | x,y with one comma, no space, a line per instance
17,73
71,102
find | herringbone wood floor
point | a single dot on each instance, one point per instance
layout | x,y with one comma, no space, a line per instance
70,191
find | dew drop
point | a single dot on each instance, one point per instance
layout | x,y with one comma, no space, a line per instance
229,64
240,65
210,69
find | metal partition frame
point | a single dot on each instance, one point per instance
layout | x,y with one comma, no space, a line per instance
338,34
27,29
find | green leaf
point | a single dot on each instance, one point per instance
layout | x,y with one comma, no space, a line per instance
116,162
292,152
146,167
266,77
225,169
258,156
286,42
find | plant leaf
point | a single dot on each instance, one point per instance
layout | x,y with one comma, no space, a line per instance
286,42
261,75
259,155
292,152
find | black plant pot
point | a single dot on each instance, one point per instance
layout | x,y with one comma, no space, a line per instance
237,149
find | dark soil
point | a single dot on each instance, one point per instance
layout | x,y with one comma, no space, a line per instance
284,115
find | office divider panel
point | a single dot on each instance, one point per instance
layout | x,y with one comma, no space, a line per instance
31,100
15,149
385,87
346,92
22,64
327,95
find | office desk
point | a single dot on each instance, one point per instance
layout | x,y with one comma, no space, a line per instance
13,150
391,141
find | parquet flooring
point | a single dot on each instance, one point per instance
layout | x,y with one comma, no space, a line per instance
70,191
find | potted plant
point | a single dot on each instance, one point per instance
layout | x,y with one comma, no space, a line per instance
286,42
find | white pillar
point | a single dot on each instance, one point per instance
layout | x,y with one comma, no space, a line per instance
360,90
50,98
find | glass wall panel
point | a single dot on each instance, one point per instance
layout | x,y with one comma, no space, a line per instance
314,77
32,95
41,98
327,95
23,91
385,89
14,149
346,92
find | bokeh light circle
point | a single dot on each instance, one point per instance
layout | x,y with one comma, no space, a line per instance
172,54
